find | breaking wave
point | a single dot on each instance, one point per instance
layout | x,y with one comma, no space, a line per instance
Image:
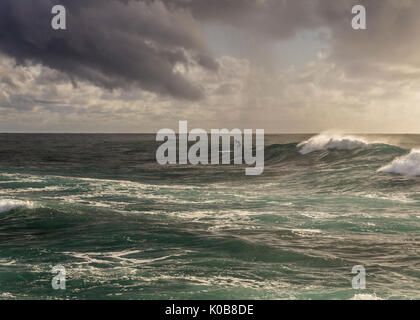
328,141
408,165
10,204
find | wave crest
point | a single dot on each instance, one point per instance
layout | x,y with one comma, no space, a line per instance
408,165
326,141
10,204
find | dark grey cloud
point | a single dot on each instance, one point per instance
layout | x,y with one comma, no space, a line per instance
112,44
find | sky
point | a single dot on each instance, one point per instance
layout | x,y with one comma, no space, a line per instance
285,66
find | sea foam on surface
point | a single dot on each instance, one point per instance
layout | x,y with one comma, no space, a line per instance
365,296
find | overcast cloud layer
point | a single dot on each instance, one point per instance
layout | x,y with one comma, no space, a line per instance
280,65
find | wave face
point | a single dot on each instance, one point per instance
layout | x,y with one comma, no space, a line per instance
408,165
125,227
327,141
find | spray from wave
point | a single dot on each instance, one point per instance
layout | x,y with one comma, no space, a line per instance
331,141
408,165
10,204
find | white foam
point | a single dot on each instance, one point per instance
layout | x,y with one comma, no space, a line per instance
399,197
331,141
408,165
306,232
10,204
365,296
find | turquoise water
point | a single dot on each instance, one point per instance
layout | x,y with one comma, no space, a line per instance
125,227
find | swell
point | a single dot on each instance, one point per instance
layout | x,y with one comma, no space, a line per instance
330,150
338,152
323,149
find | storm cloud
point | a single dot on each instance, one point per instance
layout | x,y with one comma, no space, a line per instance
112,44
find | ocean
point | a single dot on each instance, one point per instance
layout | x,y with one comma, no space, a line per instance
125,227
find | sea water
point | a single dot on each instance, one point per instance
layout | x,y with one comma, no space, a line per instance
125,227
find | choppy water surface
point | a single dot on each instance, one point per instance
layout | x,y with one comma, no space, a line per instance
125,227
